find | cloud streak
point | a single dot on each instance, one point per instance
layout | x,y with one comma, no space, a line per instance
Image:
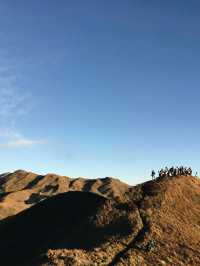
13,140
15,100
21,143
15,103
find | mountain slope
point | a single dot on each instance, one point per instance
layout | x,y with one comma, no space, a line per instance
73,220
155,223
170,211
24,189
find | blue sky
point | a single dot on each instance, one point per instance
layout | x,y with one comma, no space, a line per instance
99,88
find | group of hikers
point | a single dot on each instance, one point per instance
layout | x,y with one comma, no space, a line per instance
173,171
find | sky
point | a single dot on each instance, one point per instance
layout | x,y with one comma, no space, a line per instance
99,88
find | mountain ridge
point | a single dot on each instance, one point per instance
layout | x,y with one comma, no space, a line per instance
21,189
153,223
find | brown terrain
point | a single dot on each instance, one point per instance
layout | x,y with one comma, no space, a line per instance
24,189
54,220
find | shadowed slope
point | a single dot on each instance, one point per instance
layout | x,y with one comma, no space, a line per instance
35,229
70,221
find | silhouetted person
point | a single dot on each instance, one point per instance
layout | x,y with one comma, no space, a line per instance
153,174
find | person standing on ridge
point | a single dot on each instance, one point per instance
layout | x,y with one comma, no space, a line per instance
153,174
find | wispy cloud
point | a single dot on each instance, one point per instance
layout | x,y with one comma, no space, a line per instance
12,140
15,104
21,143
15,100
